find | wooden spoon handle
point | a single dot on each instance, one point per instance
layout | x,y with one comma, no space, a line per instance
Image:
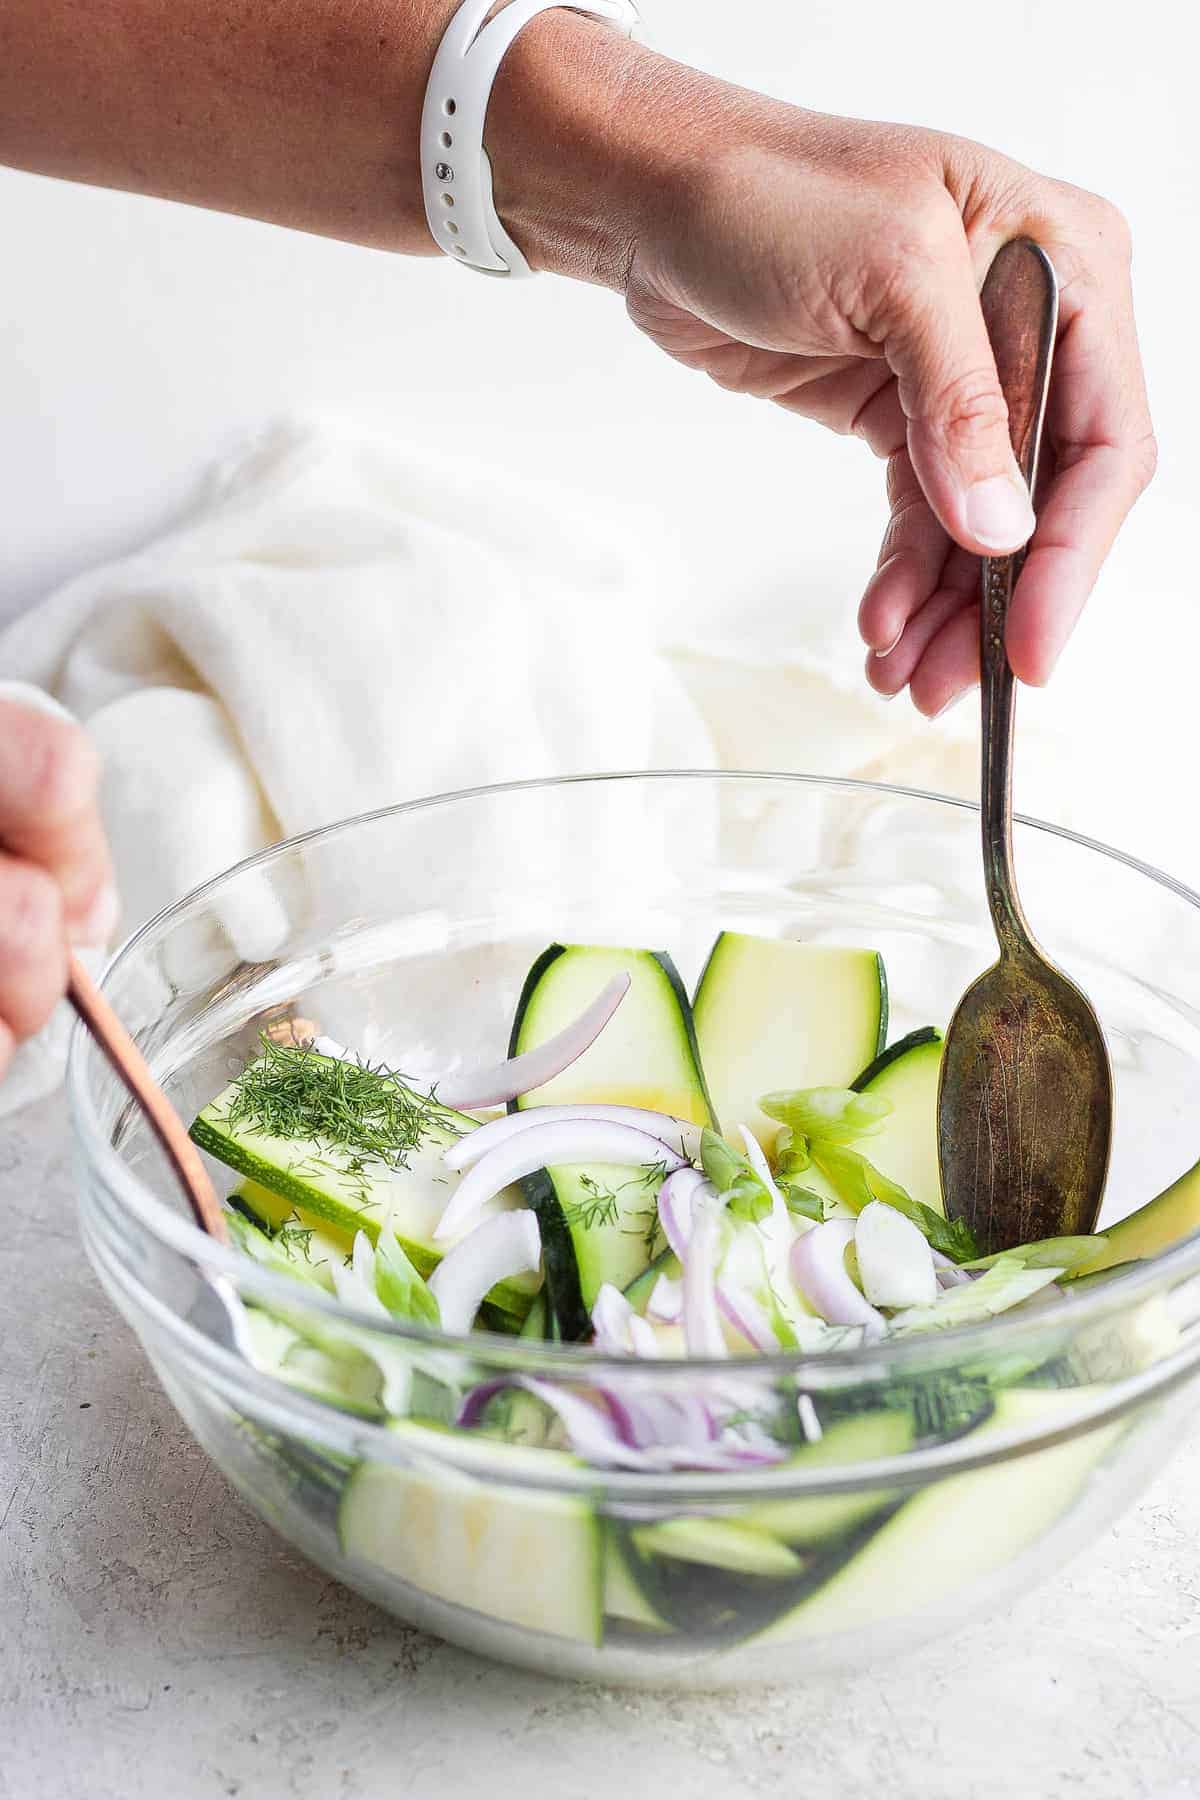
1020,309
133,1070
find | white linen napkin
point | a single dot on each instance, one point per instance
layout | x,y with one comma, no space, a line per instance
345,622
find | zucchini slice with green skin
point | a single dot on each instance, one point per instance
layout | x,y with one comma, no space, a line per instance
646,1055
303,1246
515,1554
339,1191
773,1014
624,1600
642,1286
812,1519
599,1222
349,1382
698,1594
957,1530
761,1564
718,1544
284,1241
1159,1225
710,1606
904,1148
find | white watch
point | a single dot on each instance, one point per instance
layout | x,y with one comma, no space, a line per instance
456,175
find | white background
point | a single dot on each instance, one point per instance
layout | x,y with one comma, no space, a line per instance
139,340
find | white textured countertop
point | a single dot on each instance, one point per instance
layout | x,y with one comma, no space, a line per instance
156,1639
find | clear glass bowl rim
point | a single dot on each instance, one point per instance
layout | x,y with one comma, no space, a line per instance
179,1234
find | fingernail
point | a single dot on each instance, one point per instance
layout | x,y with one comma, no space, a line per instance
949,706
100,921
887,651
999,512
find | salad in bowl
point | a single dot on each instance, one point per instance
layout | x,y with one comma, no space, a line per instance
599,1304
652,1191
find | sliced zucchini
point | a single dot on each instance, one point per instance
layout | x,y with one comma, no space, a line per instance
340,1190
695,1593
623,1598
645,1056
270,1210
718,1544
281,1469
292,1247
815,1518
1159,1225
599,1223
516,1554
349,1380
642,1286
904,1148
773,1014
957,1530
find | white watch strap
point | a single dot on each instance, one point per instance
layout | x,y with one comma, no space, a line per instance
456,175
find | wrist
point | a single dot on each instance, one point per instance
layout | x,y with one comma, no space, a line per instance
584,157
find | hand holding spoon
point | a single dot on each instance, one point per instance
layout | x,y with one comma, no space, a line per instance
1025,1101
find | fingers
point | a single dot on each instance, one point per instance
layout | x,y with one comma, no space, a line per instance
48,815
958,441
1079,520
950,664
33,947
936,683
911,559
1104,457
55,874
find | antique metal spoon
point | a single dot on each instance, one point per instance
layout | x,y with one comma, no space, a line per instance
217,1310
1025,1102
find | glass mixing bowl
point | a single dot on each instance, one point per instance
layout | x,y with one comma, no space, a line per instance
927,1499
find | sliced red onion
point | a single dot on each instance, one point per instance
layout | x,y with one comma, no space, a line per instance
591,1430
678,1135
949,1274
618,1431
701,1314
620,1331
507,1245
675,1200
740,1309
595,1141
522,1074
666,1301
893,1258
694,1424
819,1267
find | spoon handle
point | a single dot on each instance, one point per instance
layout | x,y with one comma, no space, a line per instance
1020,309
134,1072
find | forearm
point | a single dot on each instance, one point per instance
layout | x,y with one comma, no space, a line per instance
306,113
301,112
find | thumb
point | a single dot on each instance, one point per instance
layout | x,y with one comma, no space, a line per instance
957,417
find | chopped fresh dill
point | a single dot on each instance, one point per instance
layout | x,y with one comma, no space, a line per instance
295,1238
598,1208
363,1114
644,1220
605,1206
648,1227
